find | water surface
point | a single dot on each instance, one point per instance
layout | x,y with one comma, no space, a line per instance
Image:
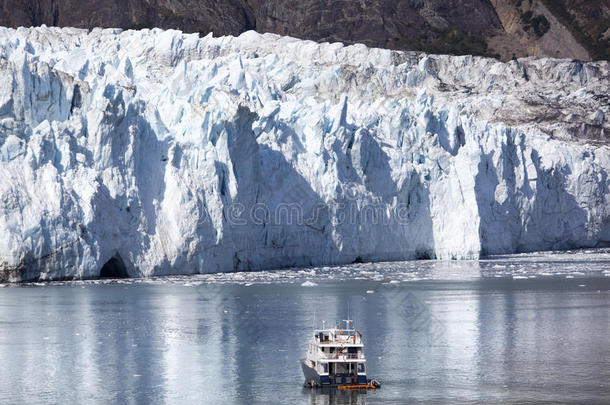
517,329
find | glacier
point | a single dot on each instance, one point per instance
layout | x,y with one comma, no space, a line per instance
166,153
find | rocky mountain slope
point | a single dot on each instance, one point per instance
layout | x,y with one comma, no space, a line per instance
152,152
501,28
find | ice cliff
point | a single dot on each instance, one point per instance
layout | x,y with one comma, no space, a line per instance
165,153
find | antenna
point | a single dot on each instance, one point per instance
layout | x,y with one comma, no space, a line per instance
314,319
348,321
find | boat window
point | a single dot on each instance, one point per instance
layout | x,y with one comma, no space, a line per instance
361,367
325,367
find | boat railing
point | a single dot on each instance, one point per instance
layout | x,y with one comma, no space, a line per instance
341,340
341,356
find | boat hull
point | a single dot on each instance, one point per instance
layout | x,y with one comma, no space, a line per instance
313,378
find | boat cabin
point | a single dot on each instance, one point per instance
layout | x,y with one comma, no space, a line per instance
336,356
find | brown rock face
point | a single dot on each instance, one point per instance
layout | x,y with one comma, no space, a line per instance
221,16
382,23
501,28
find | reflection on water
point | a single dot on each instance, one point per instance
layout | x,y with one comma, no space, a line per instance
480,341
324,396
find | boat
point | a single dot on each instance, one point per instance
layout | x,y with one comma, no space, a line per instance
335,358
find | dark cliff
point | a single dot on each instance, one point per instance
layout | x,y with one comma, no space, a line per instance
501,28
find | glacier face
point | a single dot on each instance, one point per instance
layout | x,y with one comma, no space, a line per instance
176,154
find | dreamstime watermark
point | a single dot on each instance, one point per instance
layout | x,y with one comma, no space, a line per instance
351,208
414,311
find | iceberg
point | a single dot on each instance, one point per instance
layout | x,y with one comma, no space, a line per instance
142,153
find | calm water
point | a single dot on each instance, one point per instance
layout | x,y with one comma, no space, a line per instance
471,332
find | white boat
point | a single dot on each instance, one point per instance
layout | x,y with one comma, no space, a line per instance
335,358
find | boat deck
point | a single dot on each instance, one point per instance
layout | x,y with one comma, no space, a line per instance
357,387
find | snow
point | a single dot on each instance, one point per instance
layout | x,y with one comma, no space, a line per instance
187,155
